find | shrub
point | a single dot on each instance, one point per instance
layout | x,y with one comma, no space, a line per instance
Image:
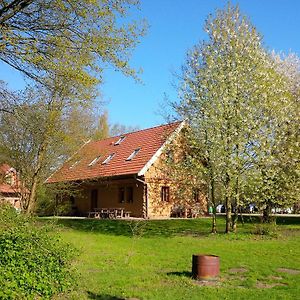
33,261
267,229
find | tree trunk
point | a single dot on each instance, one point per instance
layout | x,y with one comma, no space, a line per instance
266,217
213,202
228,206
214,215
214,222
35,179
234,220
228,215
32,196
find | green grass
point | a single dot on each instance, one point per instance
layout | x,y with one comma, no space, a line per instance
152,259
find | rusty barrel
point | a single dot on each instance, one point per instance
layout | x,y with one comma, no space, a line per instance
205,267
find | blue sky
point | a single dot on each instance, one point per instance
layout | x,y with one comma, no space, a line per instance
175,26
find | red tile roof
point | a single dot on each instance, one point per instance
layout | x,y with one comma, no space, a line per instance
4,168
8,189
148,140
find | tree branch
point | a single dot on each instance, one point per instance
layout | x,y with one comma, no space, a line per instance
12,9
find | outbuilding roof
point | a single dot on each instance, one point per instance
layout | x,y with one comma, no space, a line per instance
128,154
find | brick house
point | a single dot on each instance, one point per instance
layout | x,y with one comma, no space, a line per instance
10,187
123,171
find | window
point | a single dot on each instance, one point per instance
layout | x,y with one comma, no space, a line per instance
94,161
196,195
108,159
120,140
165,193
133,154
74,164
8,179
129,194
122,195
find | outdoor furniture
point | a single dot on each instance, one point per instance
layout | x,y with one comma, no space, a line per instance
94,214
108,213
127,214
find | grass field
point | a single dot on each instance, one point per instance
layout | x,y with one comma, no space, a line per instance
152,260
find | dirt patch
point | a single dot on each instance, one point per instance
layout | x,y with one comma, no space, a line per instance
289,271
207,282
237,270
262,285
274,277
94,270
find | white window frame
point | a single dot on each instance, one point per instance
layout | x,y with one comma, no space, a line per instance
108,159
120,140
74,164
94,161
133,154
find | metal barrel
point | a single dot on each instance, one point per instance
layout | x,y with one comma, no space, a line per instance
205,267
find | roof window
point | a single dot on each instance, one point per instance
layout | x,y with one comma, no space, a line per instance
94,161
133,154
120,140
74,164
108,159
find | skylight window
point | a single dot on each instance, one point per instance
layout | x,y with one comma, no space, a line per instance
133,154
120,140
94,161
74,164
108,159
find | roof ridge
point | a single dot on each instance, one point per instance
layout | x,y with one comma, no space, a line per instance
135,131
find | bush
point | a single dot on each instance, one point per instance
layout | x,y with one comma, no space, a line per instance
33,261
267,229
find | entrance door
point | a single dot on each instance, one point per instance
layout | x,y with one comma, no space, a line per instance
94,199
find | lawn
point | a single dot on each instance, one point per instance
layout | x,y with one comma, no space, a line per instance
152,260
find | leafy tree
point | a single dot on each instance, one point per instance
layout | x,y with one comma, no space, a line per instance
102,130
68,40
38,136
277,176
234,99
63,46
118,129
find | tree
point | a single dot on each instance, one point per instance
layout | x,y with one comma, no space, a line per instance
230,94
118,129
39,135
68,40
63,46
102,130
277,171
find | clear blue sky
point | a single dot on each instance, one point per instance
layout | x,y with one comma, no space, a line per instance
175,26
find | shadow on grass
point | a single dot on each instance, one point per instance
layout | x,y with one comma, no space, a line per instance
181,274
164,228
102,297
140,228
280,220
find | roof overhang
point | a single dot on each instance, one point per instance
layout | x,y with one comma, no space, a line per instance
161,149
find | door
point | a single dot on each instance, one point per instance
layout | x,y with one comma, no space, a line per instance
94,199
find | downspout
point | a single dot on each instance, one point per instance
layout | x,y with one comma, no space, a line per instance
145,211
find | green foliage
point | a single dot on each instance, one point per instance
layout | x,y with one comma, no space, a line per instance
102,130
70,40
267,229
238,101
33,261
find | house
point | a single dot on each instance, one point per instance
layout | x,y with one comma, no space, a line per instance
9,186
124,171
